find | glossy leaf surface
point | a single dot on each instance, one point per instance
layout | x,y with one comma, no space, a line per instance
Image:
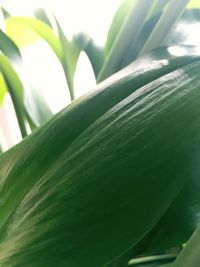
80,204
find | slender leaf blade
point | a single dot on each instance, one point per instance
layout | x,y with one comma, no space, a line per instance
9,48
15,89
3,88
25,30
94,52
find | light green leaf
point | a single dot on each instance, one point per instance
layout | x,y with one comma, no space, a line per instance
82,195
193,4
26,30
8,47
3,88
15,88
117,23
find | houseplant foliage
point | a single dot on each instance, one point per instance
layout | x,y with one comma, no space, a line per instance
113,179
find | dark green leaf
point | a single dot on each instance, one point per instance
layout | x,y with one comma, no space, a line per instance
9,48
89,196
190,254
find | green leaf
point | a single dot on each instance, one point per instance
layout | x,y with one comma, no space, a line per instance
170,15
178,223
190,254
9,48
78,192
6,14
184,31
41,14
94,53
135,47
15,88
136,44
70,55
128,32
166,265
3,88
26,30
117,23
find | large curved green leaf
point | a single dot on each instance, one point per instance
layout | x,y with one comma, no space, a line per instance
78,192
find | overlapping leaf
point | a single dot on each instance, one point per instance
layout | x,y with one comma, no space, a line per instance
190,254
142,29
94,52
93,191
